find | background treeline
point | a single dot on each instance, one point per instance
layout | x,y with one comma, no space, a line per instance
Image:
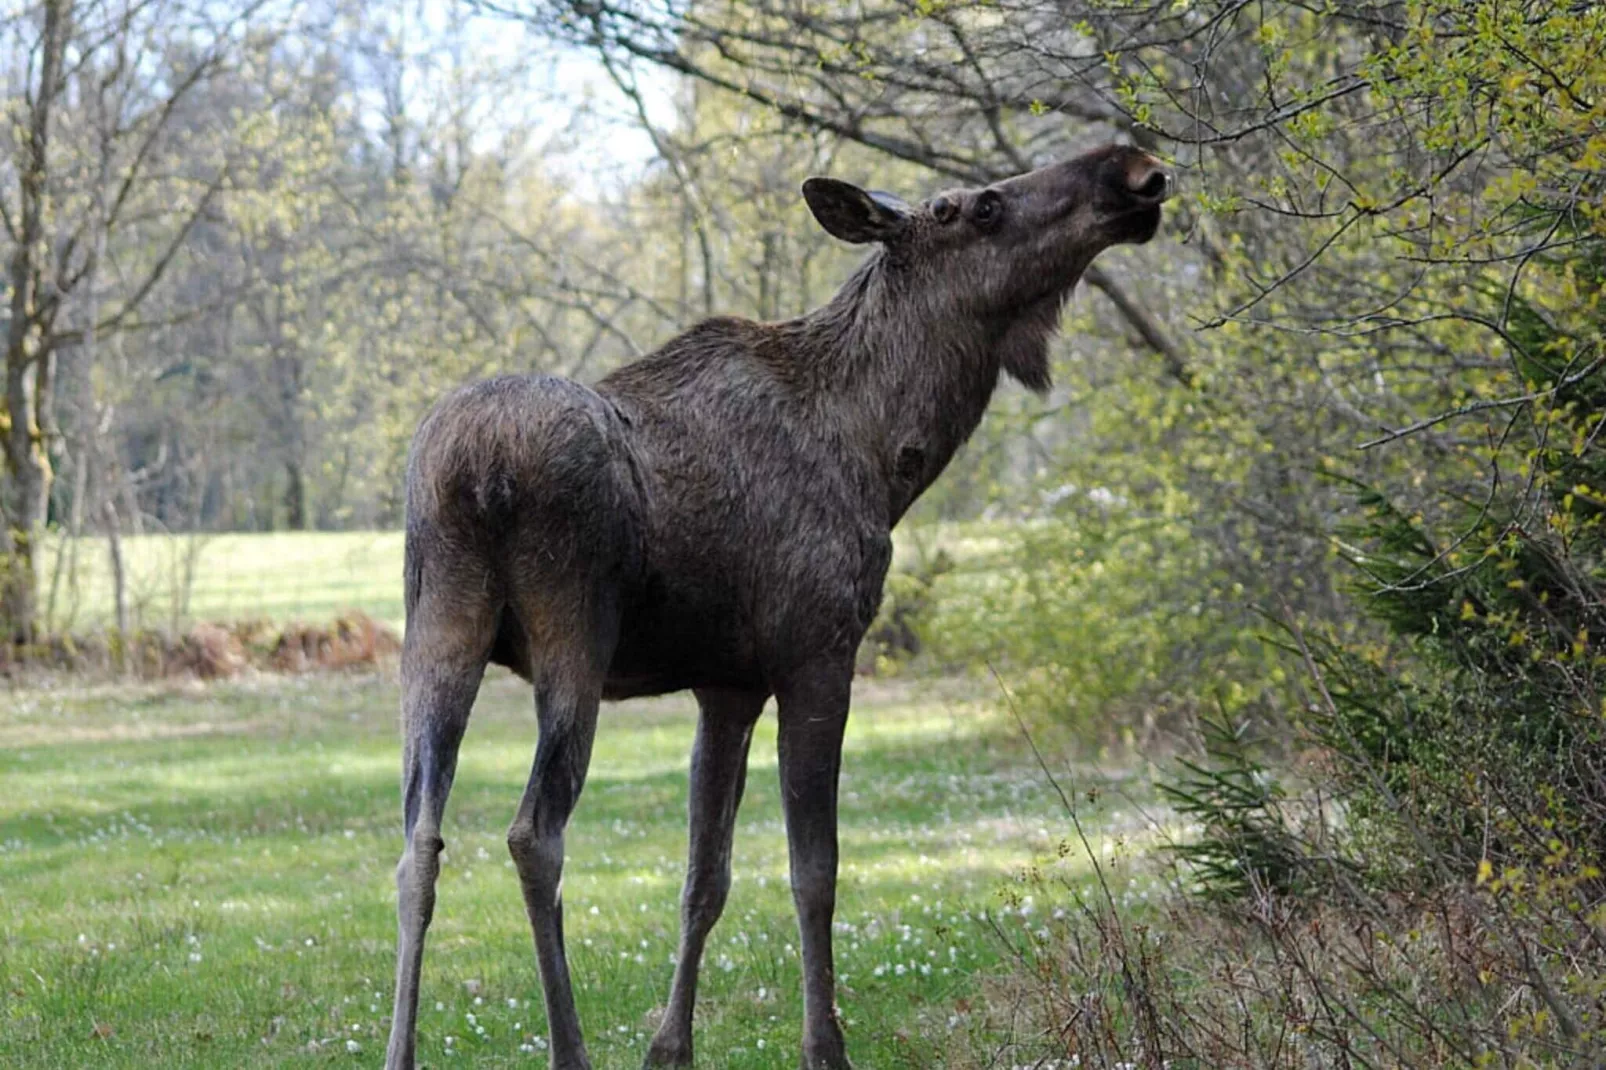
247,245
1321,476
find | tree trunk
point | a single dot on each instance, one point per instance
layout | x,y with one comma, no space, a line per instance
114,548
114,551
295,496
28,469
27,356
64,566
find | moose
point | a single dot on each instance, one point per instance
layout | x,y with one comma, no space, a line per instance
717,517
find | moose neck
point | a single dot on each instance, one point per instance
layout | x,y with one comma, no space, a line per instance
910,377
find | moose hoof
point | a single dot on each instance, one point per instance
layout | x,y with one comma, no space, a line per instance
667,1052
826,1062
825,1057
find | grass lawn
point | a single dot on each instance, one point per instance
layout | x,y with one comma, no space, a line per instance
200,876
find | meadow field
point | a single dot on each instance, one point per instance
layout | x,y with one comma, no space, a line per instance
286,576
201,876
174,580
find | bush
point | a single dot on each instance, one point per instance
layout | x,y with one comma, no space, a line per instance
1102,619
1454,980
907,604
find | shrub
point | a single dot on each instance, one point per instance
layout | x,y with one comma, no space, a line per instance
1100,617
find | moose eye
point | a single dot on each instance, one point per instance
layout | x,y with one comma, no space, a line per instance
989,208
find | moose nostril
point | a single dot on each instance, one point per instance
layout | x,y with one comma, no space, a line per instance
1155,187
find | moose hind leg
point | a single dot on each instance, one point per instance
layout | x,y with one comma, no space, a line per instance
718,773
443,659
566,704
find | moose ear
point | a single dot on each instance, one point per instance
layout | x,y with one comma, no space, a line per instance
853,214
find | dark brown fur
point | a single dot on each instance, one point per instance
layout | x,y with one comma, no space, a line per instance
718,517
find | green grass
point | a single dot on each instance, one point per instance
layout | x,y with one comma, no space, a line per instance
203,877
289,575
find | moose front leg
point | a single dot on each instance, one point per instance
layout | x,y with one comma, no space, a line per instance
813,714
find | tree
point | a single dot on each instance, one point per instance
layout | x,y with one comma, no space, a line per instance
109,174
